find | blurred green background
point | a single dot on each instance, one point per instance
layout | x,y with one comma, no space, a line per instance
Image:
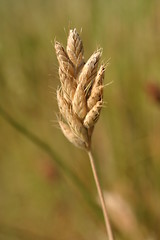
46,186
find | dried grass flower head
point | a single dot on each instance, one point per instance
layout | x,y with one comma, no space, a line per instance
80,96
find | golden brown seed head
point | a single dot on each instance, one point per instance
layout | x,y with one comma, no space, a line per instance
80,97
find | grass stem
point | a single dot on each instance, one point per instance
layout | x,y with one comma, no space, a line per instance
101,197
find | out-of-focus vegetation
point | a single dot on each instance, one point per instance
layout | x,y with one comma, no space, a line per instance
37,199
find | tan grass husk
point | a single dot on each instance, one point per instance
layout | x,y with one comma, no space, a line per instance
68,133
79,102
68,85
75,49
80,97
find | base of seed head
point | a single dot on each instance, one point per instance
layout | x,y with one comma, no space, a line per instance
80,97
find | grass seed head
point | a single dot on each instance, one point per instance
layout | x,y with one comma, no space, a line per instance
80,97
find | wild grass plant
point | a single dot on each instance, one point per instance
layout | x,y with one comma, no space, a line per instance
80,99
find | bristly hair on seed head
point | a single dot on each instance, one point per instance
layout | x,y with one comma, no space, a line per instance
80,97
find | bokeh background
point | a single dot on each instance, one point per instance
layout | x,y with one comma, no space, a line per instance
46,186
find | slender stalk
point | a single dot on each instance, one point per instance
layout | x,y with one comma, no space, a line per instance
101,197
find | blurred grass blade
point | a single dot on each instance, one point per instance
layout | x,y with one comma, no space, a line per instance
62,166
19,233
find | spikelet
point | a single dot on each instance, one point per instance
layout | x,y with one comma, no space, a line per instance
63,59
68,84
70,135
80,96
100,76
75,49
79,102
93,115
96,95
97,88
62,104
75,124
89,70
